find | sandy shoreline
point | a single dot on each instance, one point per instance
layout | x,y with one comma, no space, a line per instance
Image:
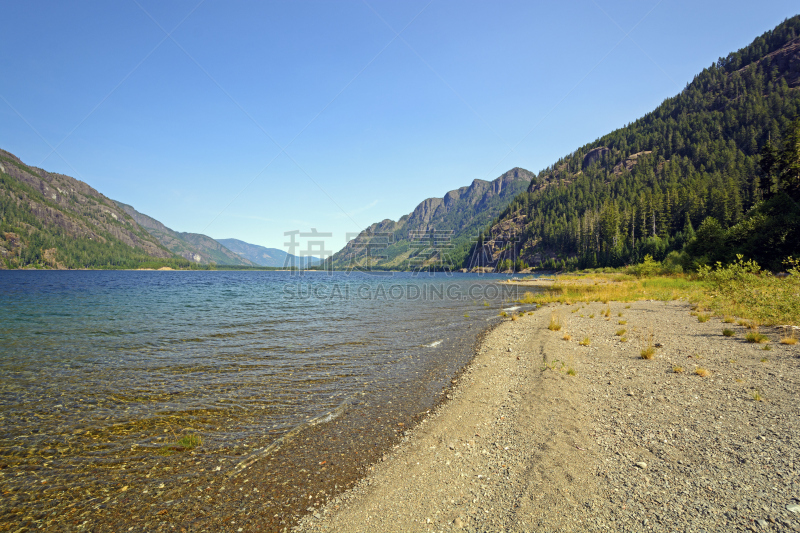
626,444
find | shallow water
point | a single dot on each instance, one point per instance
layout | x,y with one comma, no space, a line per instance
100,372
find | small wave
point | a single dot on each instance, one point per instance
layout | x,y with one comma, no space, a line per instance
280,441
512,308
433,344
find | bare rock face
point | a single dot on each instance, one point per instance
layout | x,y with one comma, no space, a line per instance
458,209
787,61
594,155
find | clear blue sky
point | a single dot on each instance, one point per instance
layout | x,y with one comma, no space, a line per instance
253,118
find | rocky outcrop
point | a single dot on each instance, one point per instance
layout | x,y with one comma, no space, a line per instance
630,162
594,155
785,60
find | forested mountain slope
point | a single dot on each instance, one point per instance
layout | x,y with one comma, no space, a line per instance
453,222
52,220
688,177
268,257
192,246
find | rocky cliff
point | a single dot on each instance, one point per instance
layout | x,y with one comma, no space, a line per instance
458,217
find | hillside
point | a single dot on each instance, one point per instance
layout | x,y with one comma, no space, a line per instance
687,180
192,246
268,257
456,219
55,221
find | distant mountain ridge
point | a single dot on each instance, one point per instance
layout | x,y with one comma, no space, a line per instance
459,215
192,246
49,220
269,257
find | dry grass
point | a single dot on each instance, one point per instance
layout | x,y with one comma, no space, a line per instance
756,337
624,339
616,287
584,342
514,318
555,322
677,369
620,332
757,397
790,338
649,350
607,311
703,317
622,322
591,316
702,372
728,332
503,314
728,319
571,371
567,337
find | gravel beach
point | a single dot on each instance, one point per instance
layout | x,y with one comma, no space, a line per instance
624,444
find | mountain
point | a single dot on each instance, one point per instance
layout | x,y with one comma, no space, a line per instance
721,156
439,231
269,257
55,221
192,246
49,220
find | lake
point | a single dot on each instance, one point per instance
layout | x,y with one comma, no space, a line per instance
295,384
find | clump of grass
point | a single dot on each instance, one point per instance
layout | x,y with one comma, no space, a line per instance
466,315
567,337
790,338
756,395
620,313
555,322
767,347
620,332
622,322
607,311
756,337
702,372
503,314
530,312
571,371
649,351
677,369
703,317
764,359
624,339
591,316
514,318
486,304
584,342
728,319
728,332
627,307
